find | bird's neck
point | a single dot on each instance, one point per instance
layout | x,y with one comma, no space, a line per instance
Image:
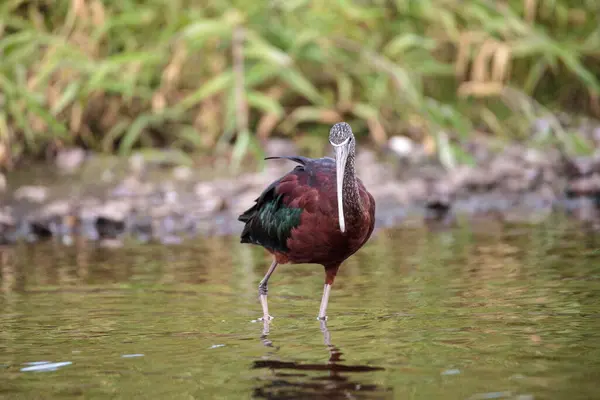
350,194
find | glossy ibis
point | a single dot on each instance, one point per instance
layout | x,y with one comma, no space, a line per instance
319,212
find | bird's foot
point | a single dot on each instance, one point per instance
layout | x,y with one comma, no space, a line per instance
266,318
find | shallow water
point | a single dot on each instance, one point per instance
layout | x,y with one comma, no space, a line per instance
480,311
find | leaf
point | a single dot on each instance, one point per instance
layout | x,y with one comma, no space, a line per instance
190,136
402,43
265,103
259,74
213,86
4,130
585,75
17,39
197,33
535,75
344,86
125,19
256,47
69,94
137,128
365,111
113,134
310,114
17,114
445,151
307,114
55,126
240,148
579,144
301,85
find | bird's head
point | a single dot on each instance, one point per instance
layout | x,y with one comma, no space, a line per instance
342,140
340,134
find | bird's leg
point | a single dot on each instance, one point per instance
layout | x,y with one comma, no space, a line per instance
330,273
262,292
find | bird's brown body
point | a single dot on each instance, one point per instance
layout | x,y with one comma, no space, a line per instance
296,217
317,239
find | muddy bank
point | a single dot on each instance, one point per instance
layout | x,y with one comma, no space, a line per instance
142,198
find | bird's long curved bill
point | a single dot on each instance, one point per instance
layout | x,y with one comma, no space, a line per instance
341,155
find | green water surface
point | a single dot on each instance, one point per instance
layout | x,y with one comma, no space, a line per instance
481,311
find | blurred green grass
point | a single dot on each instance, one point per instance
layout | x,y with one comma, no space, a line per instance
114,76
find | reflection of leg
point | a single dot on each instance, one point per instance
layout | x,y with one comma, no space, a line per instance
330,273
335,355
265,333
263,289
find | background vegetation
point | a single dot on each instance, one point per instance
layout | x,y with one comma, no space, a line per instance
202,75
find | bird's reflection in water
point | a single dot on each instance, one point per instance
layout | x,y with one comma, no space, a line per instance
331,380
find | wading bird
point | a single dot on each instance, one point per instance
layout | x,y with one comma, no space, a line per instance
319,213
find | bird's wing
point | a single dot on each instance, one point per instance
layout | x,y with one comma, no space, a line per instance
278,209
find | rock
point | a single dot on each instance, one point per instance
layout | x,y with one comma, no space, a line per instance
5,216
402,146
596,135
137,163
43,229
107,176
132,186
109,228
534,157
168,193
439,201
243,202
34,194
104,220
478,180
533,178
140,161
68,160
182,173
205,189
7,226
168,230
586,186
542,125
584,208
479,148
111,243
160,211
397,193
56,208
257,182
212,199
141,228
582,166
88,229
416,188
585,165
370,171
170,240
58,218
502,168
115,210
